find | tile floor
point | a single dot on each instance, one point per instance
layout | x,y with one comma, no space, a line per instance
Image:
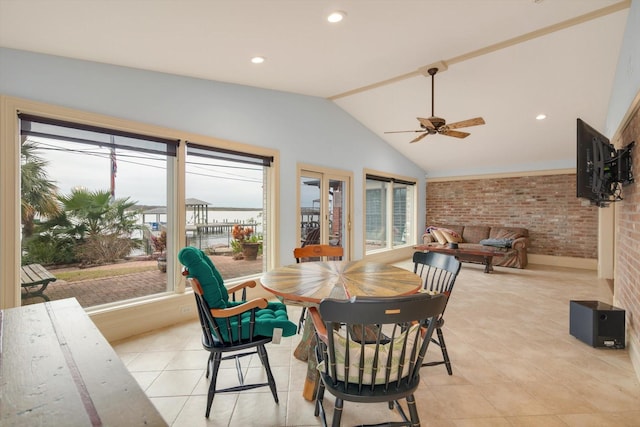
514,364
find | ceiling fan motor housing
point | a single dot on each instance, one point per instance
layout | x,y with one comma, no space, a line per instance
437,122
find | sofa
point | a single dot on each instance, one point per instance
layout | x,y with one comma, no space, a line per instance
501,238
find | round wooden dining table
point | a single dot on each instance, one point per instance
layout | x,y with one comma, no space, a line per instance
309,282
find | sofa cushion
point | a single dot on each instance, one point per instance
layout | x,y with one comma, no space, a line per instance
508,233
475,233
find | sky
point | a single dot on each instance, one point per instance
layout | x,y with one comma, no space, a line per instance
142,176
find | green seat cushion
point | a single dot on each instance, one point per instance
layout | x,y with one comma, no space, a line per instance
199,266
267,319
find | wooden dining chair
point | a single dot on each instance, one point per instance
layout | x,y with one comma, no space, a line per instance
232,331
385,368
439,272
316,253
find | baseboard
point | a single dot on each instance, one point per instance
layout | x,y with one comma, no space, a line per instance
144,316
564,261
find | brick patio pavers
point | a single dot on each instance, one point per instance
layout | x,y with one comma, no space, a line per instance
109,289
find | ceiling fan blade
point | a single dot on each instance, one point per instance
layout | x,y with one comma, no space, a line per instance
455,133
402,131
419,137
426,123
466,123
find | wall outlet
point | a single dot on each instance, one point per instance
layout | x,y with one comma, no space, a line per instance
185,309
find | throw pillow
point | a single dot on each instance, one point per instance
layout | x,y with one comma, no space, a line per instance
392,349
450,231
498,243
452,237
439,236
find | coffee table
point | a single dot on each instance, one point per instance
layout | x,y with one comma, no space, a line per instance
483,255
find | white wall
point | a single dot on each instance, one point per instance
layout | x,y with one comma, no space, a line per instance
626,84
305,129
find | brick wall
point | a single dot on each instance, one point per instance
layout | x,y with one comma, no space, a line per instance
627,277
559,223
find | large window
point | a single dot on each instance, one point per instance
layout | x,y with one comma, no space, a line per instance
226,189
85,191
390,212
105,210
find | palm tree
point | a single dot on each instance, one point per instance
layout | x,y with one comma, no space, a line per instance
38,192
101,226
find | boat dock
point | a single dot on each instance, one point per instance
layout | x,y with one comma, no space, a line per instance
216,228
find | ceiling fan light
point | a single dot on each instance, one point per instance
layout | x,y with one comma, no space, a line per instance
541,116
257,59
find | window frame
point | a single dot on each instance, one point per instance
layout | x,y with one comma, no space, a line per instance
390,180
326,174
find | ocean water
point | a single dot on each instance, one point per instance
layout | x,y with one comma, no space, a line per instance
204,241
215,236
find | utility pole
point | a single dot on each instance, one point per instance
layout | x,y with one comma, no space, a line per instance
114,169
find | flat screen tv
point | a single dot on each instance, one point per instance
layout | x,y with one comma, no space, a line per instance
601,169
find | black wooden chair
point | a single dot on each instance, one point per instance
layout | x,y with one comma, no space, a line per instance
240,342
384,369
310,253
439,272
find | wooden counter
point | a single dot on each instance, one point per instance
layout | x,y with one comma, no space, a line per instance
56,369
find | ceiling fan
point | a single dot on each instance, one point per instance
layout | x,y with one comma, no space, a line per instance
434,124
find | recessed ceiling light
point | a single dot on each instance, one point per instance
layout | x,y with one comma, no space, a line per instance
257,59
541,116
336,16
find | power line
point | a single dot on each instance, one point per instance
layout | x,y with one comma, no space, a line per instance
103,155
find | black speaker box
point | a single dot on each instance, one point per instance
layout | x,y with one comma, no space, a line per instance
597,323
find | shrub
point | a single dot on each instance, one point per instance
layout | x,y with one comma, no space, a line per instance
46,249
103,248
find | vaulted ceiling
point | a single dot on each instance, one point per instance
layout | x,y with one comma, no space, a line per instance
506,61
